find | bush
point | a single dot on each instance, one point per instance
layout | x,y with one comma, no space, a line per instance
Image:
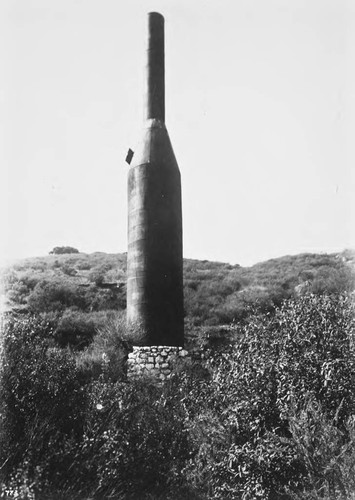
269,416
69,270
316,353
56,295
41,400
107,354
77,329
326,450
19,288
134,443
248,424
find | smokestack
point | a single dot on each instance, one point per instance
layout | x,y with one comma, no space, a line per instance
155,68
154,257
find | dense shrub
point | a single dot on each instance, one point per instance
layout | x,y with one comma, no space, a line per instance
101,299
18,289
69,270
41,400
316,352
327,451
107,354
269,415
251,419
134,444
98,273
77,329
59,438
56,295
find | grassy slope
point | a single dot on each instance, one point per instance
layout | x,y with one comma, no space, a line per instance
80,288
276,278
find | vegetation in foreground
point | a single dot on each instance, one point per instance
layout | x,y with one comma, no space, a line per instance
269,415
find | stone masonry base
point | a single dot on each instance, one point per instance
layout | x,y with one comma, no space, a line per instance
157,361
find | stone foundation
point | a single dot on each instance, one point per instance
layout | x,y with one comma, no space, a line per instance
157,361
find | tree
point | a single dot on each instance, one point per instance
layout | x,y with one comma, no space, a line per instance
63,250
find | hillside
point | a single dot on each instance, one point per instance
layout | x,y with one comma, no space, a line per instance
78,291
261,406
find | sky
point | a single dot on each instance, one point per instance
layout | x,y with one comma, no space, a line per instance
260,109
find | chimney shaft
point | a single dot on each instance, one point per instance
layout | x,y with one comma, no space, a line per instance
155,307
155,69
